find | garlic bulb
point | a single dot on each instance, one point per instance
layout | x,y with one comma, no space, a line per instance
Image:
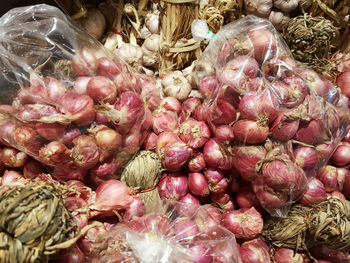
131,54
260,8
279,19
144,32
150,50
196,94
286,5
176,85
152,22
201,69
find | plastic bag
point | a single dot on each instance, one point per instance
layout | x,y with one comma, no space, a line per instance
286,119
66,85
172,232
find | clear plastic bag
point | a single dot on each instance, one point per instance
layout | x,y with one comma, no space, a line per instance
286,119
62,85
170,233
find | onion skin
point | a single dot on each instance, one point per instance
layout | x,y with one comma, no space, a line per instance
171,104
224,134
284,129
208,86
150,142
246,198
32,169
341,156
314,192
194,133
107,140
85,63
254,251
201,254
208,220
101,89
13,177
185,230
305,157
86,242
286,255
28,138
245,223
198,185
137,209
309,132
50,131
173,186
336,194
269,198
108,68
165,121
188,107
247,131
264,43
188,205
222,112
245,159
55,153
175,155
216,179
343,82
215,155
328,175
85,152
330,255
197,163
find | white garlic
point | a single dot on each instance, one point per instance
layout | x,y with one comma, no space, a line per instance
260,8
144,32
150,50
279,19
131,54
176,85
152,22
201,69
286,5
196,94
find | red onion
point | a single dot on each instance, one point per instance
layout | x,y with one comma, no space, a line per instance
223,200
269,198
328,175
151,223
74,203
343,82
254,251
81,220
341,156
222,112
68,173
246,198
173,186
137,209
108,68
194,133
305,157
78,105
284,176
251,132
226,252
132,142
208,86
283,128
150,142
314,82
28,138
236,181
83,191
309,132
126,81
164,139
188,205
342,174
282,65
286,255
87,241
347,137
112,194
255,84
261,106
105,170
208,220
198,185
85,152
229,206
131,109
264,43
197,163
73,255
224,134
201,112
186,230
101,118
292,92
217,155
171,104
216,179
188,108
50,131
324,150
245,223
32,169
85,63
314,192
336,194
80,84
54,88
175,155
69,136
12,177
200,254
165,121
13,158
245,159
101,89
150,94
333,256
107,140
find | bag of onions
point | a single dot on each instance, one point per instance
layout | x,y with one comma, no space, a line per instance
72,103
172,232
274,121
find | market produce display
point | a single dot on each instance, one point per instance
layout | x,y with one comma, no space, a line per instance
123,139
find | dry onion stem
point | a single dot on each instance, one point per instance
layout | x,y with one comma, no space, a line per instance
142,175
34,223
326,223
310,40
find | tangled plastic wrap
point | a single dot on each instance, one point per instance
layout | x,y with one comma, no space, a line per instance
286,119
67,101
171,233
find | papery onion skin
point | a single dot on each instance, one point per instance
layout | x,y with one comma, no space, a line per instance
269,198
336,194
188,205
222,112
200,254
254,251
165,121
150,142
284,129
85,152
314,192
108,68
171,104
194,133
28,138
245,223
13,177
55,153
188,107
197,163
137,209
87,241
224,134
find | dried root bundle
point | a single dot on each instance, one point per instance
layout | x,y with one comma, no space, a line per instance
326,223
